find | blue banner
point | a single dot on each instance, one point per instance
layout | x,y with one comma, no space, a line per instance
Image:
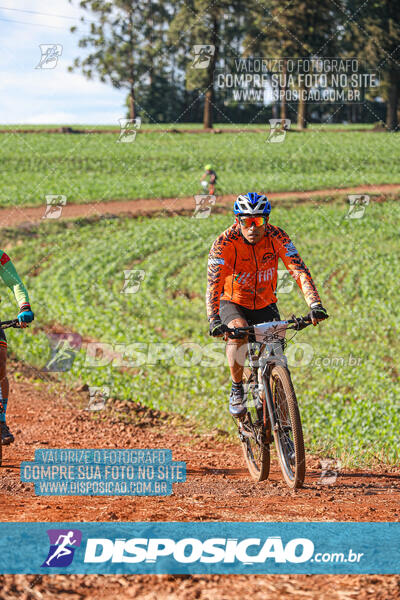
103,472
196,548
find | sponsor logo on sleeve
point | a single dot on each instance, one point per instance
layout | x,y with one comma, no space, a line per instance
291,249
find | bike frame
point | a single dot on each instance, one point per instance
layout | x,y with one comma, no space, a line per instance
266,359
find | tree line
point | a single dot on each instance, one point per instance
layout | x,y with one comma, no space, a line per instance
146,47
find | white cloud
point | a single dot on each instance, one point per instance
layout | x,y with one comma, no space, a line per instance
70,118
28,11
25,98
54,117
30,95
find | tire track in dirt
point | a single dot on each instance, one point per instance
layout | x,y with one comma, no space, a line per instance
45,414
11,217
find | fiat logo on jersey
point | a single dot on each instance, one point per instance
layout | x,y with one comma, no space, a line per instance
266,275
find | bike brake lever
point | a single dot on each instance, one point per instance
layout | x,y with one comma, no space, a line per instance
234,333
300,322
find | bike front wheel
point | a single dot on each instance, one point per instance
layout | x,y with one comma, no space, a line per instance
253,434
288,432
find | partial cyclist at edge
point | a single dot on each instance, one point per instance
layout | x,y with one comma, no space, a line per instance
9,275
242,279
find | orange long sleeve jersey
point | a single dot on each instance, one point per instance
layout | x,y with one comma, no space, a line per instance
247,274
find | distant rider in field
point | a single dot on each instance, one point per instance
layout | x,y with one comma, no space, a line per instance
242,280
11,278
211,175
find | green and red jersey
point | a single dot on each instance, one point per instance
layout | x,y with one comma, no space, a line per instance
9,275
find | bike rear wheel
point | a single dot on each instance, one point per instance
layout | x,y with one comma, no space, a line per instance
288,433
253,433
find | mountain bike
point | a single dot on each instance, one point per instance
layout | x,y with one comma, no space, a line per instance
272,409
4,325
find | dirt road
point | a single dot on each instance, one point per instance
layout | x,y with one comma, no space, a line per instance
11,217
218,488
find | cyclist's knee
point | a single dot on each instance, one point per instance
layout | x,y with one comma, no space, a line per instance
239,322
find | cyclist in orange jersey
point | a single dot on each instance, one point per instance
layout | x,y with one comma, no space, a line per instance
242,279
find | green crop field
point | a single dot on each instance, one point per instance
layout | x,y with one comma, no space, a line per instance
95,167
344,371
180,125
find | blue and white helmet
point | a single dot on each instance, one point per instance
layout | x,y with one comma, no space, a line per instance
252,204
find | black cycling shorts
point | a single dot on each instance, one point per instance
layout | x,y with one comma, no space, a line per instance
229,311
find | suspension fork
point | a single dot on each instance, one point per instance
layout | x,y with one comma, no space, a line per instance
268,404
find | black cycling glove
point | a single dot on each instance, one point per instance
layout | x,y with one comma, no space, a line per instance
318,312
217,327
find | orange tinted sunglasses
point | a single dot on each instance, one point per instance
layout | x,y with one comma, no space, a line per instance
248,221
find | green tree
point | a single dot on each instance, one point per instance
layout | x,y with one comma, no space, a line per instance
125,43
375,33
216,25
161,100
302,29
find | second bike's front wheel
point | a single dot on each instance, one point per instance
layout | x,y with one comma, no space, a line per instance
288,433
257,457
253,434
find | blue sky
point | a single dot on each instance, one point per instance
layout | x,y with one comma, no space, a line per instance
29,95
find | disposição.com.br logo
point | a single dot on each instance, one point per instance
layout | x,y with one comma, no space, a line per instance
189,550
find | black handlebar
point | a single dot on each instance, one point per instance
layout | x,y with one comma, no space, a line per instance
298,322
13,323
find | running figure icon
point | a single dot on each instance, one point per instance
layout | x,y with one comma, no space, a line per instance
62,549
63,543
